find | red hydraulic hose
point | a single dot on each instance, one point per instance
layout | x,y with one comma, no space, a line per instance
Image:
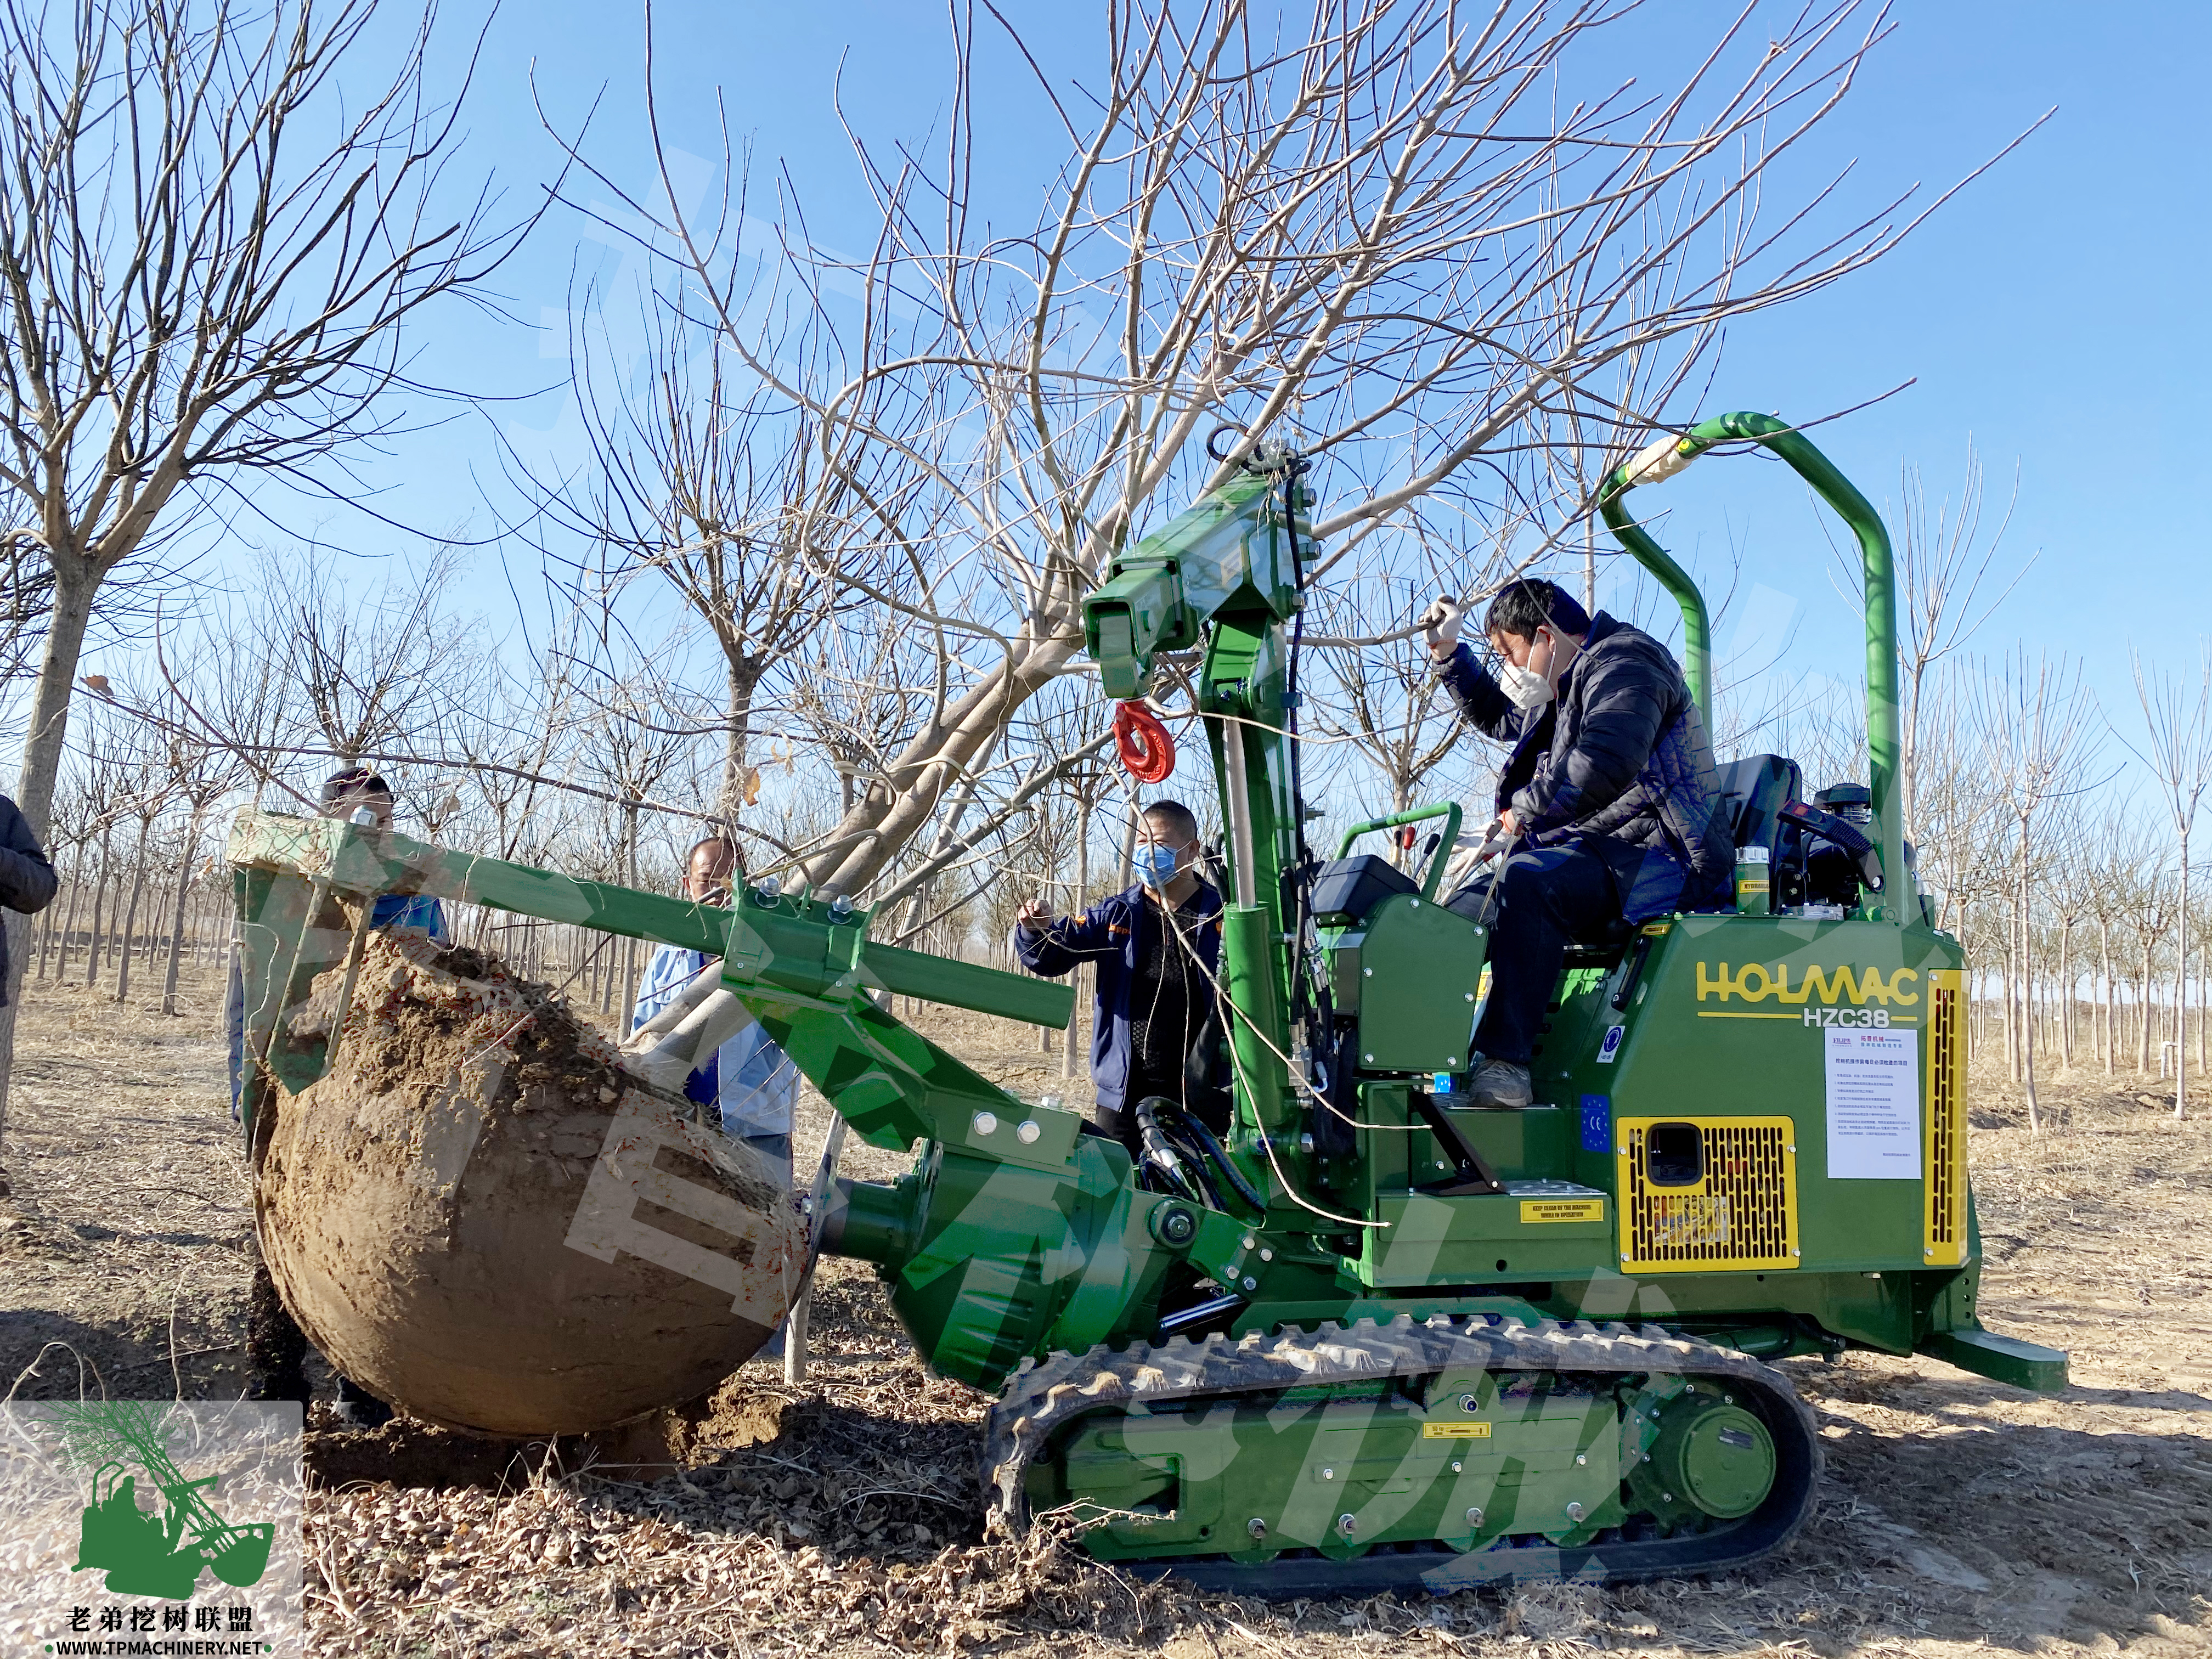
1148,753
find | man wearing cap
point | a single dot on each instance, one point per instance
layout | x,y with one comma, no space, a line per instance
276,1347
1608,804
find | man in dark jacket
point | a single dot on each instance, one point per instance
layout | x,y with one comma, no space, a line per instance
1607,806
1157,947
27,881
27,884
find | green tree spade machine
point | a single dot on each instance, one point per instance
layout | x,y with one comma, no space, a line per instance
1367,1339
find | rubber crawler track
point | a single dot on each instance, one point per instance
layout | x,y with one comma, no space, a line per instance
1046,1395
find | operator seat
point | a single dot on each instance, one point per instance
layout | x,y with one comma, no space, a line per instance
1755,790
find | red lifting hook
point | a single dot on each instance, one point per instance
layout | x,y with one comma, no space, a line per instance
1148,752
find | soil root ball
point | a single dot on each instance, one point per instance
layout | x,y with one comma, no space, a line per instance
479,1214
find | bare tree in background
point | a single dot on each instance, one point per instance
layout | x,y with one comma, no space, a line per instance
2176,747
207,247
2071,895
2037,737
707,487
365,671
1392,240
1944,577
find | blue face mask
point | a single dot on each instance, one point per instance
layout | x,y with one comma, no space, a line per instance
1156,866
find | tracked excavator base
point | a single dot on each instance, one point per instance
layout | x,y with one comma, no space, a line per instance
1411,1458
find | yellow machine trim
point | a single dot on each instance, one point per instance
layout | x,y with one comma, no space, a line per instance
1945,1245
1739,1214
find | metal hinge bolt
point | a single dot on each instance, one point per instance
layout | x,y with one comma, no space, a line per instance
1256,1527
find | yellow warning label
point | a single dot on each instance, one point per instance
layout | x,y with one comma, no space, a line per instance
1455,1431
1561,1209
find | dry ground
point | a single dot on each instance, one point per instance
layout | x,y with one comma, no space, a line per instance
838,1517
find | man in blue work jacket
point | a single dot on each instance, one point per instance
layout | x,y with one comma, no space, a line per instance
1157,948
751,1082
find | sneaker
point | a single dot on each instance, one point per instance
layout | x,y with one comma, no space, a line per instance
357,1408
1501,1086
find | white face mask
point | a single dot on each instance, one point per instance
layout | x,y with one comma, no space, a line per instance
1525,687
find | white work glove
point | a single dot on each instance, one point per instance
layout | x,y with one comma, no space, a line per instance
1441,625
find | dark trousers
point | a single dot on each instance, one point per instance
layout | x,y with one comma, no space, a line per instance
1546,898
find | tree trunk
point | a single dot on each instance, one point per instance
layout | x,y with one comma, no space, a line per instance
743,680
2106,992
69,924
92,943
54,925
2066,990
130,913
2181,988
2012,985
2027,991
177,914
888,816
2143,1036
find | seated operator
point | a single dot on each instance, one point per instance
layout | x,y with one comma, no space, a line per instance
1157,947
1607,806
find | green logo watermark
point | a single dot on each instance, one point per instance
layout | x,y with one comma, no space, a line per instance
131,1526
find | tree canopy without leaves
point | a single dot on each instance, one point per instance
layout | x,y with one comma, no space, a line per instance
1442,249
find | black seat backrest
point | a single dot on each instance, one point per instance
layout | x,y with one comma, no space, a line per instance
1756,788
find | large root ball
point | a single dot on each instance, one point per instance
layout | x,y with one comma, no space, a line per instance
478,1215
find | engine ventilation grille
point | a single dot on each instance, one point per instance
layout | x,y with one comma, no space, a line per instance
1946,1243
1739,1211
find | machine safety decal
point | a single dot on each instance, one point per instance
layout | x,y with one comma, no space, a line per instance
1535,1209
1611,1046
1597,1123
1455,1431
1874,1105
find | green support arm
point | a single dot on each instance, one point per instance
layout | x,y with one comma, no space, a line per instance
1667,456
803,966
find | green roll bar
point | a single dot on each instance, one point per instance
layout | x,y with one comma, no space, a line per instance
1663,459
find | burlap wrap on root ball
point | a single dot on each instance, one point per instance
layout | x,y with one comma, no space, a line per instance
481,1217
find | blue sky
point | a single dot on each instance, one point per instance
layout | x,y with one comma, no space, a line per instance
2052,313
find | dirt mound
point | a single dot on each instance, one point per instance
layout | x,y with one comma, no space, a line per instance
481,1216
